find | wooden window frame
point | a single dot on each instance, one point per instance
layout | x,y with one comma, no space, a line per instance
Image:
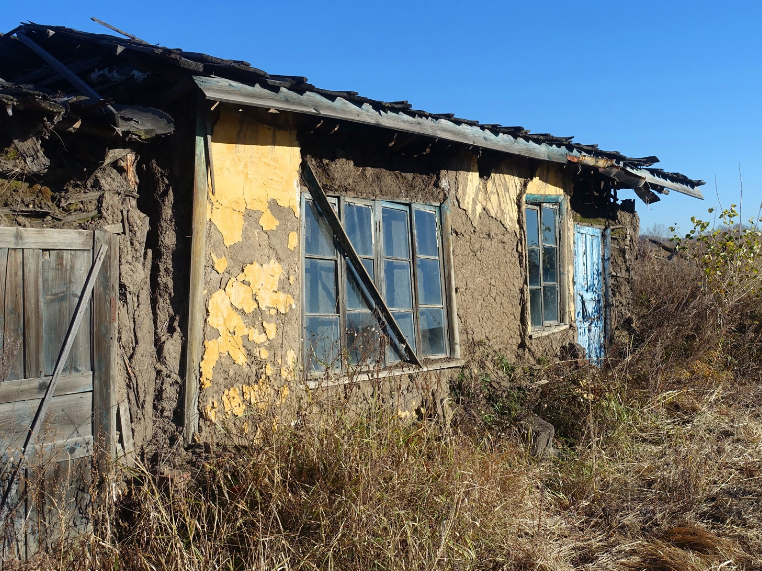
450,337
557,205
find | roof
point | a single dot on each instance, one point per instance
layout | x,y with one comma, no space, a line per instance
238,82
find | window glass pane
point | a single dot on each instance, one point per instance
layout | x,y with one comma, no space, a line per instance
318,238
357,222
321,343
429,284
363,338
533,236
535,306
396,237
550,302
432,331
548,225
426,242
405,321
355,298
534,267
319,286
397,282
549,265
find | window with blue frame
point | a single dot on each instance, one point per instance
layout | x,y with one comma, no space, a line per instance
543,273
401,247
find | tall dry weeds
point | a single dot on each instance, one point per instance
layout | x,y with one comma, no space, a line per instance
657,466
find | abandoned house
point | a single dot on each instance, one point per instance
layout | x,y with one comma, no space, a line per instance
238,238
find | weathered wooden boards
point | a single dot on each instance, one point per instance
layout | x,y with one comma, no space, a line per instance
42,276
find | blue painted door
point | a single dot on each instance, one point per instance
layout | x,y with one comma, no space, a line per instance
588,291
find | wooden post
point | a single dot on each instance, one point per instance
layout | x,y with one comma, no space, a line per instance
196,311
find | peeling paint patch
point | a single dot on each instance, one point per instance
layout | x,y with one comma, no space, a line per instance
293,239
211,411
253,164
263,353
495,196
220,264
287,371
267,221
548,180
257,286
231,401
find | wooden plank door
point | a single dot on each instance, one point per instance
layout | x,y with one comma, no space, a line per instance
589,291
43,278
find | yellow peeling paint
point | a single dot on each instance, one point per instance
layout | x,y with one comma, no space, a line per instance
284,392
267,221
240,295
211,411
220,264
263,353
231,401
287,371
291,279
269,370
548,180
257,286
496,196
293,239
264,283
253,164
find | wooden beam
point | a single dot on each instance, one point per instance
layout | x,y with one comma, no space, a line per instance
196,313
356,267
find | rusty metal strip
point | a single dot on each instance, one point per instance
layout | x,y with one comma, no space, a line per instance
358,270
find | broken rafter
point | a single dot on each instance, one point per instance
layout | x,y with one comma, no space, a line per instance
69,75
118,31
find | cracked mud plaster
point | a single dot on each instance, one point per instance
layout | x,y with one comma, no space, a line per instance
254,164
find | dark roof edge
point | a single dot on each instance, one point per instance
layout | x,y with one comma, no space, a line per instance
311,103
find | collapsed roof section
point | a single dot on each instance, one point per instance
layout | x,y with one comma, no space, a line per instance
43,65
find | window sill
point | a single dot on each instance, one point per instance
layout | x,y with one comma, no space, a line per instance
316,383
542,332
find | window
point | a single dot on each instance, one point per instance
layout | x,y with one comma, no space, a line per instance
542,223
401,247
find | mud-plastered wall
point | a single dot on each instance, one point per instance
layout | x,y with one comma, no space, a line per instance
489,251
486,240
252,329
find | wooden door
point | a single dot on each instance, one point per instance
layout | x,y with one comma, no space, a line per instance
42,276
588,291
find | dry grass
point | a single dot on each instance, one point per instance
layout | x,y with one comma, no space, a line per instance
658,467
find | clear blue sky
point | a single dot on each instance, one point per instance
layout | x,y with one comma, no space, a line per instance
676,79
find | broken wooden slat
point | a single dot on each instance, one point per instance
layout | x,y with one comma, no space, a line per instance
28,389
45,238
68,416
33,330
13,335
58,451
